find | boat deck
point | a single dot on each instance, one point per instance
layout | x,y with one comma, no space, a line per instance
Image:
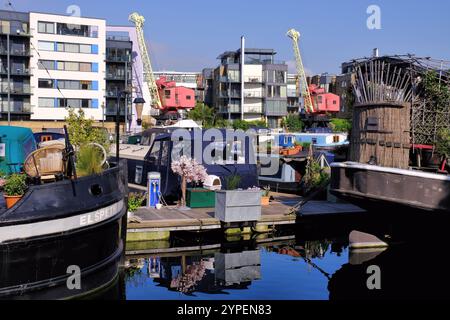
277,213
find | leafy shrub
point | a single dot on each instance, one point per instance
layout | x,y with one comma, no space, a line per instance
292,123
135,201
15,185
89,160
443,142
341,125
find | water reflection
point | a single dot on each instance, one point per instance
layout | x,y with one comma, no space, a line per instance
237,273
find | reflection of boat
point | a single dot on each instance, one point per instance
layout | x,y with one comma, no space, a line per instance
69,224
402,275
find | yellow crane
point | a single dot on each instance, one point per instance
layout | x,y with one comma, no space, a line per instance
149,77
306,94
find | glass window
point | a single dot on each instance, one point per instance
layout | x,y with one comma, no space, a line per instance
85,103
155,150
45,83
86,85
93,32
46,102
73,103
85,48
60,65
60,47
46,27
71,66
46,46
62,103
46,64
71,47
85,67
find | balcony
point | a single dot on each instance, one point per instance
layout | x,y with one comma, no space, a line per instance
15,31
16,72
276,110
230,109
229,79
112,93
253,109
253,79
118,59
15,107
232,94
16,52
254,94
117,76
15,89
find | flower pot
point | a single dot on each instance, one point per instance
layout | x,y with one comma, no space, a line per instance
200,198
265,201
11,201
238,205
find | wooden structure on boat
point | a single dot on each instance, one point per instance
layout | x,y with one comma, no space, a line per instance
381,133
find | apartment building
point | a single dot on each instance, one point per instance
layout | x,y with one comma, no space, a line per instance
67,65
15,91
250,85
119,76
293,94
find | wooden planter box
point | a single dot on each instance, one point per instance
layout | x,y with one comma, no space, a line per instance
200,198
238,205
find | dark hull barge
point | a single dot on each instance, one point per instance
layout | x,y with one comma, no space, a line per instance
382,189
60,229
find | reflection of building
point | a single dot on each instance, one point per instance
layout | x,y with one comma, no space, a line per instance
235,268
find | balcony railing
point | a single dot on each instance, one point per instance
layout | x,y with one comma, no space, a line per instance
117,76
14,31
118,58
253,94
19,72
15,108
253,109
24,89
229,79
230,109
232,94
253,79
15,52
276,111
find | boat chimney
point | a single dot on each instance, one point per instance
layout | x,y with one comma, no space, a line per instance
376,53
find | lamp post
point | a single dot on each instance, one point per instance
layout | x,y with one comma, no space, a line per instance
139,105
120,94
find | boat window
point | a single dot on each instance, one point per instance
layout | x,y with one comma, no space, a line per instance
165,153
154,153
28,146
335,139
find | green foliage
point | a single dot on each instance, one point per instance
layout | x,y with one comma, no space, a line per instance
443,142
89,160
233,181
436,92
341,125
245,125
15,185
202,113
82,132
135,201
222,123
315,176
304,145
292,123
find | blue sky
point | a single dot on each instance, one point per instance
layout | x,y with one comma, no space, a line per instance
188,35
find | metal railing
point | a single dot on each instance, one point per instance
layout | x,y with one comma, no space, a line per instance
253,94
253,109
118,58
15,52
253,79
15,89
15,107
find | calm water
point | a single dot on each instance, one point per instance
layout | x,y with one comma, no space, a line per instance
266,272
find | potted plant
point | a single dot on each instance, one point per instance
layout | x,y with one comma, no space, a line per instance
190,171
14,187
265,196
237,205
135,201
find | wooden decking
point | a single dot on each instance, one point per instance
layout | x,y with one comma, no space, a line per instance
277,213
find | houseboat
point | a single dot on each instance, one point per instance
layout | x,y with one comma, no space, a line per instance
158,146
64,226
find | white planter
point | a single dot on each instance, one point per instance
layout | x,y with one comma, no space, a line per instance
238,205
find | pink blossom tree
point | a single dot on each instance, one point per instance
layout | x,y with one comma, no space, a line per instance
190,171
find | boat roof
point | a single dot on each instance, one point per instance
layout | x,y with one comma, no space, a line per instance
12,131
